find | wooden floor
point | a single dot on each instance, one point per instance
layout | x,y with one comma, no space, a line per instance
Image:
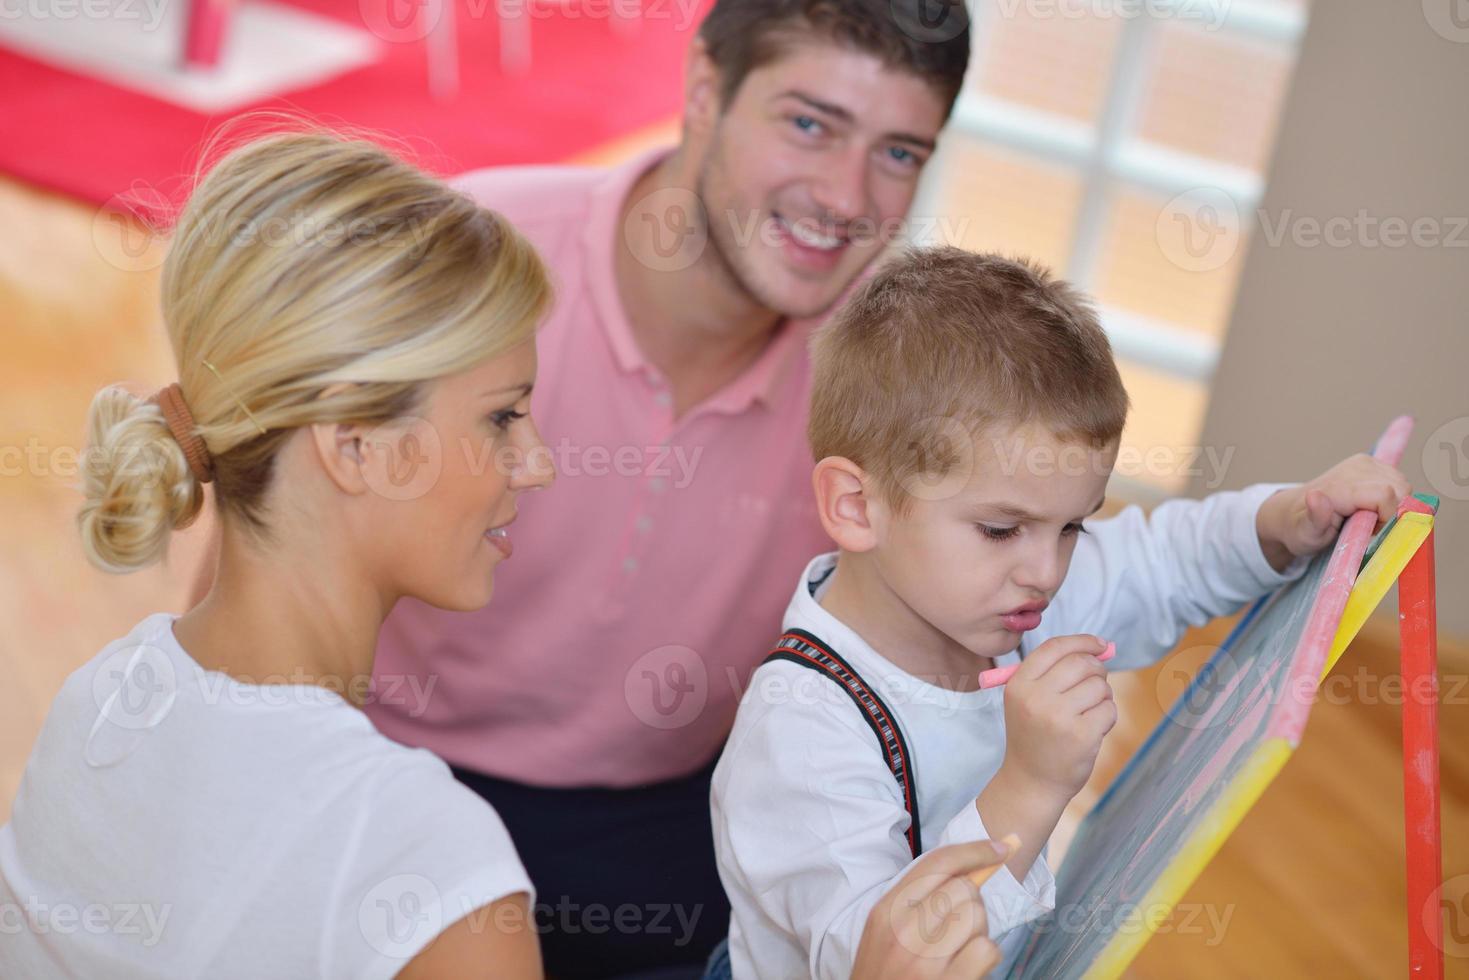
1310,885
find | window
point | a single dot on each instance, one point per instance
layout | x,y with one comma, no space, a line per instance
1123,143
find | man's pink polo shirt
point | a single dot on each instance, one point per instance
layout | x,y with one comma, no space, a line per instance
649,581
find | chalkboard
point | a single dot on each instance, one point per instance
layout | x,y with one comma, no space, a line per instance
1188,786
1191,763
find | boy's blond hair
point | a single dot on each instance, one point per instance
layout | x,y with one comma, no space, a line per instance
943,339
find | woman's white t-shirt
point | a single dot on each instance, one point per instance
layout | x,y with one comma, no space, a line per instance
173,822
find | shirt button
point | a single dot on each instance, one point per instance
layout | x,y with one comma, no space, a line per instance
629,564
656,484
663,398
645,523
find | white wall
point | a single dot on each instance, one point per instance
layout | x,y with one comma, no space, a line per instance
1327,342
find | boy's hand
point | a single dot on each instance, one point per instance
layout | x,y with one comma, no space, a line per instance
932,923
1302,520
1058,707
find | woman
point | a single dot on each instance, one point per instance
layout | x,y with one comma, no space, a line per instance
355,348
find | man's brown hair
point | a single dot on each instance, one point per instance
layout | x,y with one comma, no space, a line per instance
943,345
929,38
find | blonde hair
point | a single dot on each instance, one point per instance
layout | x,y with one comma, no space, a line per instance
943,344
302,260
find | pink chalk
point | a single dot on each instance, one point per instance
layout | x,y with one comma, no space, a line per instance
999,675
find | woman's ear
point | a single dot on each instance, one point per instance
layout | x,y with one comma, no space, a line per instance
843,503
345,453
398,460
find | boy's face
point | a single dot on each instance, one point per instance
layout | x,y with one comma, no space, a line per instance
979,558
810,170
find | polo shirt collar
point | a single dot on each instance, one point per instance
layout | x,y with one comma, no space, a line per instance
761,381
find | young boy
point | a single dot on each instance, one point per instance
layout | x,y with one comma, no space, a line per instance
966,417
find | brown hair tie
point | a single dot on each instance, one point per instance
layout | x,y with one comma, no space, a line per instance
181,423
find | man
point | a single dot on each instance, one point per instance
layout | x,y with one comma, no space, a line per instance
589,702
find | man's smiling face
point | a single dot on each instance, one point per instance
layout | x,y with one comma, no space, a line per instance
810,168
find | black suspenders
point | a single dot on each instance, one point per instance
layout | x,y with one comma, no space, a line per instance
801,647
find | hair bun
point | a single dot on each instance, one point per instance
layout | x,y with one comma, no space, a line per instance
138,483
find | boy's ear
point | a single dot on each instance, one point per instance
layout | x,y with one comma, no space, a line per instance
843,504
701,90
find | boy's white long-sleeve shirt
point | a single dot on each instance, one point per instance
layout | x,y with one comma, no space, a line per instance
809,822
